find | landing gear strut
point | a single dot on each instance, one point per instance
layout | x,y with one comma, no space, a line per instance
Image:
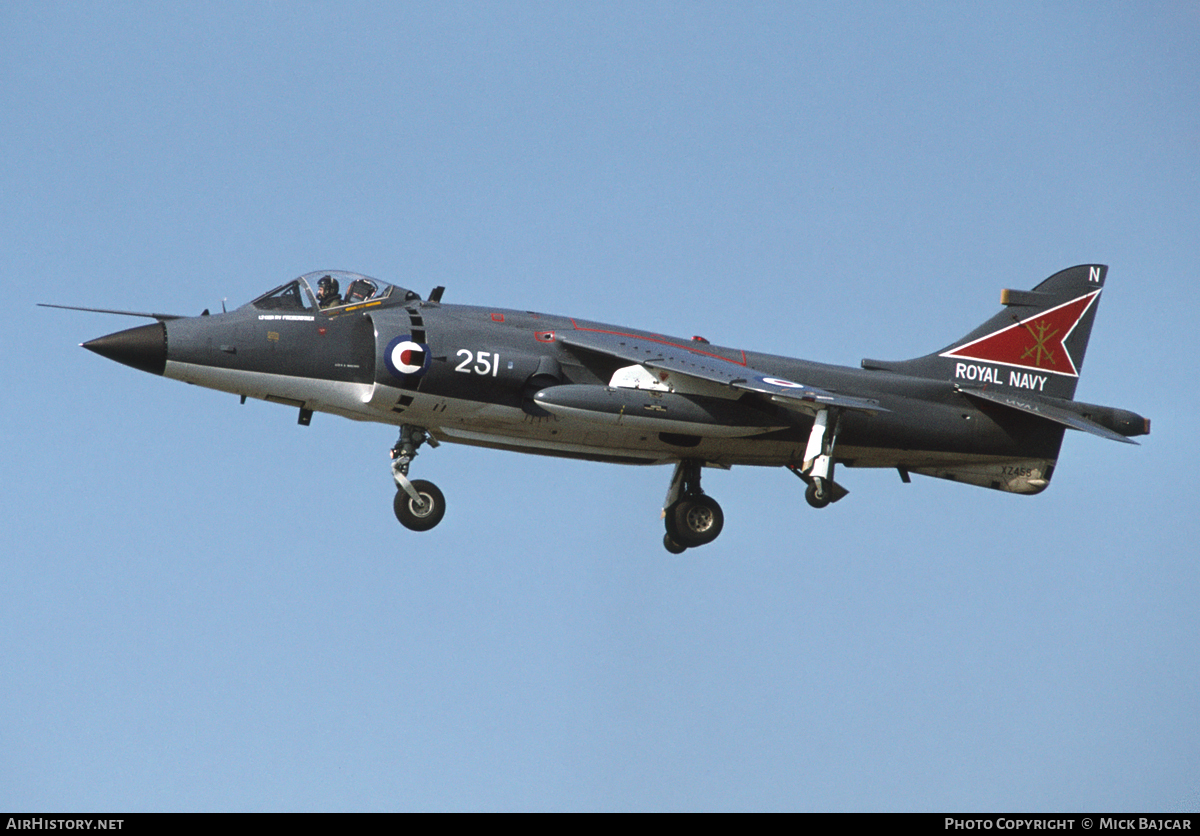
817,470
419,505
692,519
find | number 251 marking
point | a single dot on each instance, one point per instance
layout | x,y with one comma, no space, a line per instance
485,362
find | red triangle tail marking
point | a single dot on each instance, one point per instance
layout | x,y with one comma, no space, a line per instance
1034,343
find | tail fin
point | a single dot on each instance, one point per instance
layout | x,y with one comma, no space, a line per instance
1035,344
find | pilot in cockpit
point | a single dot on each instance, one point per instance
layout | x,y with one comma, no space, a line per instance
327,292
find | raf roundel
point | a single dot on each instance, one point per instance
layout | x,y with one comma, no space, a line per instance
779,381
406,358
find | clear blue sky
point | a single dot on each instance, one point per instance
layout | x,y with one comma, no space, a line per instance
208,607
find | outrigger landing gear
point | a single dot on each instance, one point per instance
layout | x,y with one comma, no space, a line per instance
692,519
419,505
817,470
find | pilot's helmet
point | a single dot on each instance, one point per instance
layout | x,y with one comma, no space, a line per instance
327,287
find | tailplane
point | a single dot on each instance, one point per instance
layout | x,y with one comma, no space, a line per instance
1034,345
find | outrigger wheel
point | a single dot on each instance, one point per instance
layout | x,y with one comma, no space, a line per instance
818,493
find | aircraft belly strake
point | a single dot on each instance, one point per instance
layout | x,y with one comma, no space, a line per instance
990,409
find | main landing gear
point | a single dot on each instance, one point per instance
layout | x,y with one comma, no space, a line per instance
419,505
692,519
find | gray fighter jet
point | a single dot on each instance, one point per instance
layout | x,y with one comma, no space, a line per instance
989,409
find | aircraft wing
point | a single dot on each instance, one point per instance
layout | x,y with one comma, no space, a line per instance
1059,413
694,361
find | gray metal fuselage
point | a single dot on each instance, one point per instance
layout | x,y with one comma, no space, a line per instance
480,379
989,409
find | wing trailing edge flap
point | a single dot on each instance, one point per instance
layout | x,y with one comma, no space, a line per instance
811,400
657,353
1060,413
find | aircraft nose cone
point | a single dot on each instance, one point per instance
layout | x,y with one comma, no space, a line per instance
144,347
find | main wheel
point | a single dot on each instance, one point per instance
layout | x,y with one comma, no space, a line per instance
671,546
424,515
818,493
694,521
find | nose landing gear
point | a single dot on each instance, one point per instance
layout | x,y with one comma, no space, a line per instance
419,505
423,512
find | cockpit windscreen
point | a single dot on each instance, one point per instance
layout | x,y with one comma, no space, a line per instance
328,290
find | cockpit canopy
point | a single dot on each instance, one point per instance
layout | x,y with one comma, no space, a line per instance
333,291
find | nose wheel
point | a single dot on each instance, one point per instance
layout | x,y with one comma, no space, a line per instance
419,504
423,512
